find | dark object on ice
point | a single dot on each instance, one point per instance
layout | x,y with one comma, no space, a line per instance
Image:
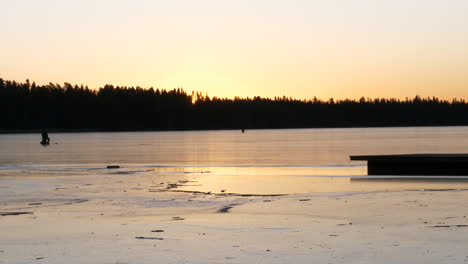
14,213
113,167
416,164
157,231
243,130
226,209
45,138
439,226
153,238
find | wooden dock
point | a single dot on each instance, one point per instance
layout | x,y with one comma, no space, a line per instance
416,164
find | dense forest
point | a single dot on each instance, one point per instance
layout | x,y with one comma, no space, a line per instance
28,107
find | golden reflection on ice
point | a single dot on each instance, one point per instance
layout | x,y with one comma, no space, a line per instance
298,180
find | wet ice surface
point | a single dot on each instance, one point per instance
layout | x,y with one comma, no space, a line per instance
108,217
240,180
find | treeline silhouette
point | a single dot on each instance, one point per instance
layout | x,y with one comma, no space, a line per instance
27,106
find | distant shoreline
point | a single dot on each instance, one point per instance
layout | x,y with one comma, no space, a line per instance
34,131
30,108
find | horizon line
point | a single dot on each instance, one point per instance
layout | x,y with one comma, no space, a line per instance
205,94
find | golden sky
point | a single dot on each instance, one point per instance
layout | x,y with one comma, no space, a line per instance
298,48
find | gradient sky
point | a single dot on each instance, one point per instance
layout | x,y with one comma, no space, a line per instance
298,48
